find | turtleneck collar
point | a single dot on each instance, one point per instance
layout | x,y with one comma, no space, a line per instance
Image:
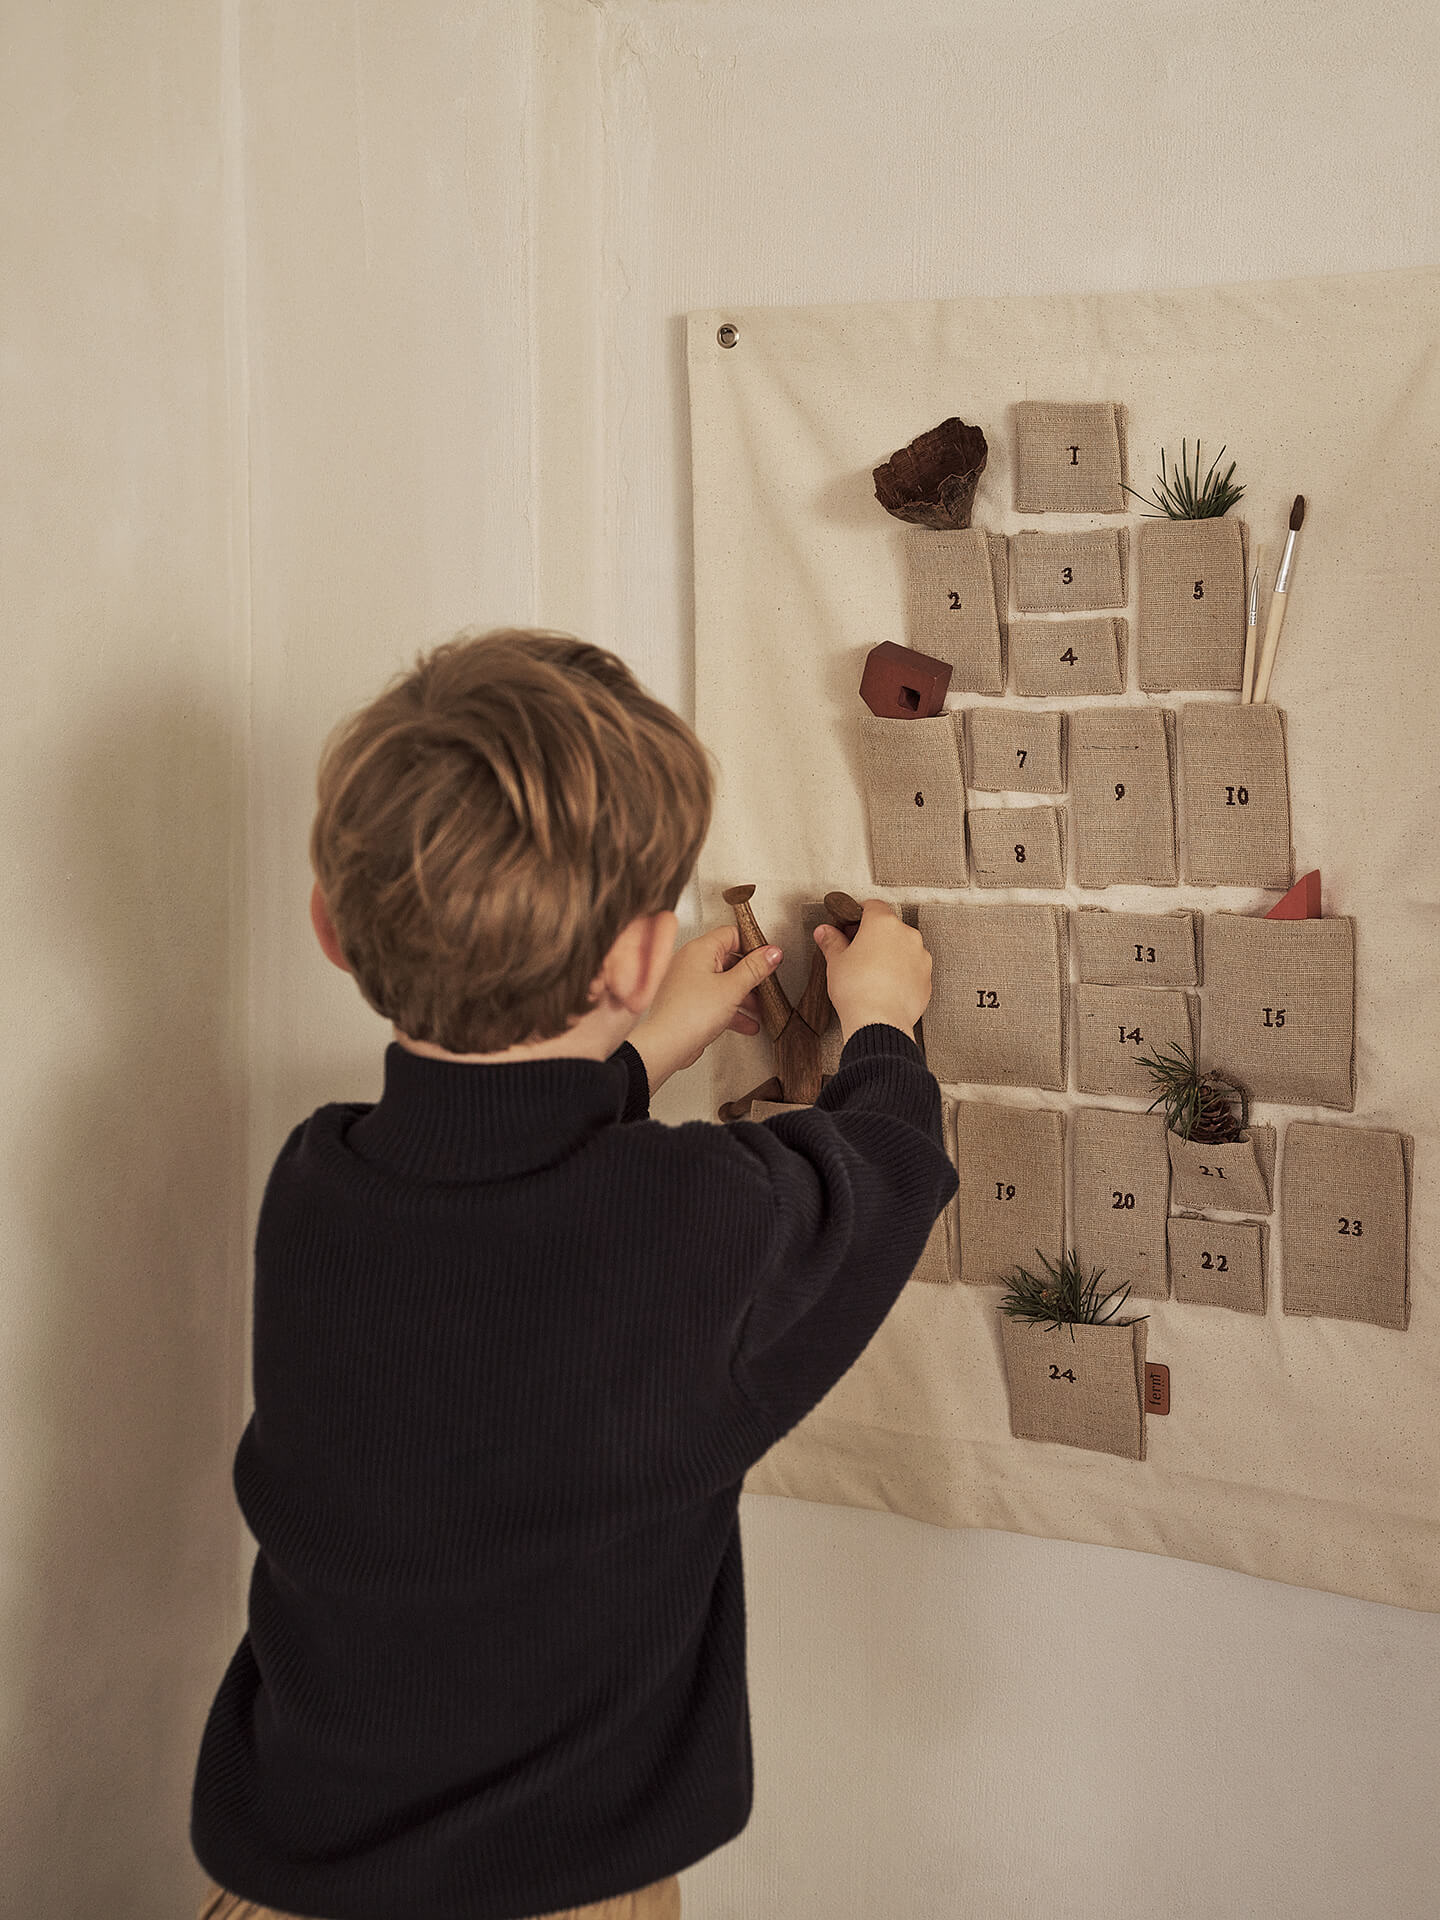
439,1120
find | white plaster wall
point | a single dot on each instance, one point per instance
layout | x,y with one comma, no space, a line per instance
122,1135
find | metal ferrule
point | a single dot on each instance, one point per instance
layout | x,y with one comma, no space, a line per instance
1282,579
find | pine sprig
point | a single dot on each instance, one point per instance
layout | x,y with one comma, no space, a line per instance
1198,1106
1063,1295
1181,495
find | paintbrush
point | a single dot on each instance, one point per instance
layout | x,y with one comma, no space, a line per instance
1277,603
1247,673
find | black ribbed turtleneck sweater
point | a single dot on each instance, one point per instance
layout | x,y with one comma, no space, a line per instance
515,1346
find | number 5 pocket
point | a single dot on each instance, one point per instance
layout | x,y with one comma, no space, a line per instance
1080,1391
915,797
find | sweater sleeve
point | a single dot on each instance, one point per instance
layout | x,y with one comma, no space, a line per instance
856,1182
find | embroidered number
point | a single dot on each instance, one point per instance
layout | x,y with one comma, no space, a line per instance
1056,1374
986,997
1219,1263
1020,753
1121,1202
1145,956
1119,789
1199,593
1352,1227
1134,1034
1019,854
1237,796
1003,1191
1274,1016
1074,456
1214,1173
919,799
1067,574
1068,657
954,602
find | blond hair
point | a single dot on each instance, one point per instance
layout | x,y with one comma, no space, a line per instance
488,825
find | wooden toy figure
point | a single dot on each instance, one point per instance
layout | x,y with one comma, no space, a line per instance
794,1032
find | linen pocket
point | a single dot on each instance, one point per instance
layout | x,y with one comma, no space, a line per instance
1069,457
1120,1197
1068,656
1069,572
1135,949
1192,604
915,797
1121,797
951,609
937,1263
1279,1011
997,1002
1345,1218
1234,1175
1217,1263
1079,1386
1011,1202
1017,846
1235,796
1116,1026
1012,752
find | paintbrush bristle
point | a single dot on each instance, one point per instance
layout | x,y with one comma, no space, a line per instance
1297,513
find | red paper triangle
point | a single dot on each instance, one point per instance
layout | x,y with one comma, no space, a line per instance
1302,902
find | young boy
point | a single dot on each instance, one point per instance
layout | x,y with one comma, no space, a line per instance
515,1344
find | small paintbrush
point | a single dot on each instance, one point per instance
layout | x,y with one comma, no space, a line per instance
1252,634
1277,603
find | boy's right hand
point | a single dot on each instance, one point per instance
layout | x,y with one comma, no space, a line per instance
881,975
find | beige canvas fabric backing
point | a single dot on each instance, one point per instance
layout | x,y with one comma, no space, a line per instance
1298,1447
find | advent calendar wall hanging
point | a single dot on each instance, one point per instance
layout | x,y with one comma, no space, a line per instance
986,624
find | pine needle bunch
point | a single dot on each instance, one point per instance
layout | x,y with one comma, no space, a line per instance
1181,495
1063,1295
1198,1106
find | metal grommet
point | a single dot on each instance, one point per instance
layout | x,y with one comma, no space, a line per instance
728,336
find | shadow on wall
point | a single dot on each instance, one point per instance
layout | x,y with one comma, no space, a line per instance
127,1317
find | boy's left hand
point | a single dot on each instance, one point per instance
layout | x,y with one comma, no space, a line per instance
708,989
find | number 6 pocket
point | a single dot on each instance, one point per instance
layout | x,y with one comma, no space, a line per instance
915,797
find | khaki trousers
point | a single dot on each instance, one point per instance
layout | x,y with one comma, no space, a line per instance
660,1902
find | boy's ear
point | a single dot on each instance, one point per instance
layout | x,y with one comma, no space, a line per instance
639,959
325,930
